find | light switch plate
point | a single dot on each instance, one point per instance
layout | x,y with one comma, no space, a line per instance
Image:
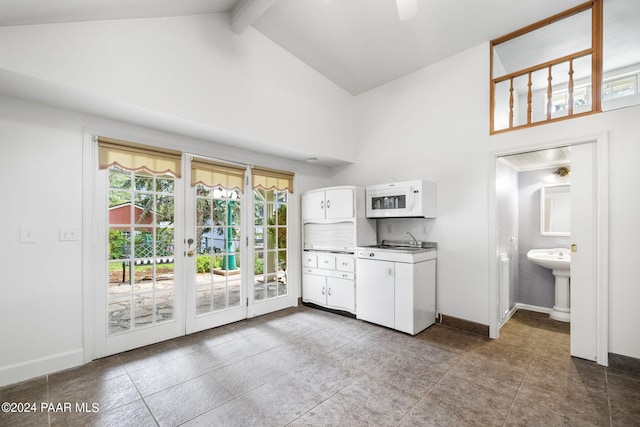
28,234
69,234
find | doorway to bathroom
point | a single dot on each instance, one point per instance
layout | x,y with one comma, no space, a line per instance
553,197
529,220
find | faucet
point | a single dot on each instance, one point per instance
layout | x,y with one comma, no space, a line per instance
413,241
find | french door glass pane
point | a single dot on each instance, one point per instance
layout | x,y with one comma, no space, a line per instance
218,269
270,244
141,274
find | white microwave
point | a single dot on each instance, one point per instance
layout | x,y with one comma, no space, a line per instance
409,199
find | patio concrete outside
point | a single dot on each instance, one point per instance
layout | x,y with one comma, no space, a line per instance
214,292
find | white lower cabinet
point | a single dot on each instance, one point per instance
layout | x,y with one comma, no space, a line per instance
328,280
397,295
376,284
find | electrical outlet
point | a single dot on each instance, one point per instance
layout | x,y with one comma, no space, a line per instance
68,234
388,228
425,229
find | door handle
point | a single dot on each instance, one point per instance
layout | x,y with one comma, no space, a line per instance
190,252
328,204
329,292
323,290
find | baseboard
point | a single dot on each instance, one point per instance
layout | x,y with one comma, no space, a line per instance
624,363
507,317
520,306
329,310
23,371
464,325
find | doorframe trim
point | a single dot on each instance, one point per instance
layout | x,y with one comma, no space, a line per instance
602,251
89,164
601,211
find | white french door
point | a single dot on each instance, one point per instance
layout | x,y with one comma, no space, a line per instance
179,255
270,289
237,248
216,249
140,296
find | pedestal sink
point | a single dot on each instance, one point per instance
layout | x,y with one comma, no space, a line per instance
558,260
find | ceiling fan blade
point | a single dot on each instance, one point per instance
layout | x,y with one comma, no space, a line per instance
407,9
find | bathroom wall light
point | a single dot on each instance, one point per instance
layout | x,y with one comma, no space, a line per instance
562,171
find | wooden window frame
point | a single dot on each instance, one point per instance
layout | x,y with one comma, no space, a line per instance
596,68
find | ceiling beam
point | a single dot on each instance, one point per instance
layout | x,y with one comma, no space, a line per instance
245,13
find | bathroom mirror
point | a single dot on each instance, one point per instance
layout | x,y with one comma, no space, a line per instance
555,210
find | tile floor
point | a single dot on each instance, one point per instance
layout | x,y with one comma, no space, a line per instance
306,367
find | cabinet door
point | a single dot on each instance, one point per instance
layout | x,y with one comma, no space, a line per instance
314,289
375,291
339,203
313,205
415,296
341,294
404,297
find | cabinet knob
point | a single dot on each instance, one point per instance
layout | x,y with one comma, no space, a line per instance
323,290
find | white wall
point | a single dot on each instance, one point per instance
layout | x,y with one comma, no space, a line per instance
243,88
41,304
434,125
41,169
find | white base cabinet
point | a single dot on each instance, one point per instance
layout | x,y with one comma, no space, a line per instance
415,296
397,295
328,280
376,289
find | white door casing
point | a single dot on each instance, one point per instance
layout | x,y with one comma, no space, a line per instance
598,322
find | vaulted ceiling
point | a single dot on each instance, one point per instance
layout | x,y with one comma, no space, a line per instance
358,44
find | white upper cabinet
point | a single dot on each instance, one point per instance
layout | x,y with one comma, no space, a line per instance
330,204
